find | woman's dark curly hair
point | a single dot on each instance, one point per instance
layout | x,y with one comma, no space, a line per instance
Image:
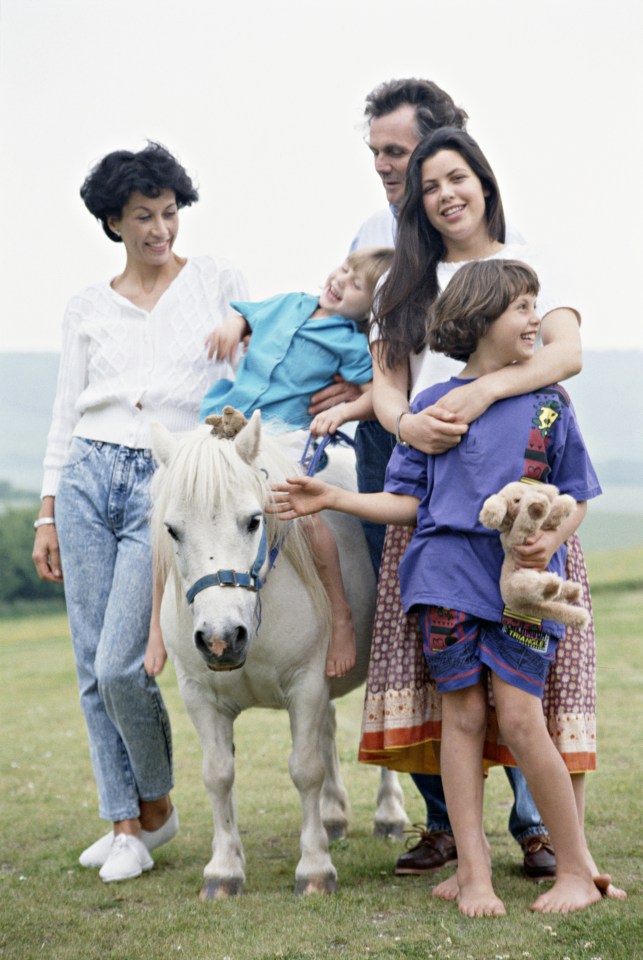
411,285
476,296
112,181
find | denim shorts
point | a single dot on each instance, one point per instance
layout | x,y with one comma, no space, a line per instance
457,646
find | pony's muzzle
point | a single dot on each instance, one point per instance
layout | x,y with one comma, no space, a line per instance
223,651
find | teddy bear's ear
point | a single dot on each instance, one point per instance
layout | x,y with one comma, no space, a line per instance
494,511
561,508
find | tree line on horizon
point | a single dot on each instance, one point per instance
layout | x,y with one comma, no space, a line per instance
19,582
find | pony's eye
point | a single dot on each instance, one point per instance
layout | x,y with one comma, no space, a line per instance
253,524
172,532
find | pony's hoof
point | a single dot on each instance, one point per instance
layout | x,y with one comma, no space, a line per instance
335,830
219,889
306,887
389,829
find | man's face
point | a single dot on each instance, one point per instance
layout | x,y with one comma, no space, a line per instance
392,139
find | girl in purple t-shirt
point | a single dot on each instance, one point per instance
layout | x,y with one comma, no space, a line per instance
487,317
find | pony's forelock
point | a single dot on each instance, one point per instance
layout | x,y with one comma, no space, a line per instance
205,471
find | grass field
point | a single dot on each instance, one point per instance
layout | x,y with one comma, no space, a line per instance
50,907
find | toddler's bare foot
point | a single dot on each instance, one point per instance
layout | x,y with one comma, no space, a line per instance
477,898
448,889
341,656
570,892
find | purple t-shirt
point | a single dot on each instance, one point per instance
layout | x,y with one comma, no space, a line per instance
452,560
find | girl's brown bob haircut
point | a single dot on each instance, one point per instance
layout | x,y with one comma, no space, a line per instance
476,296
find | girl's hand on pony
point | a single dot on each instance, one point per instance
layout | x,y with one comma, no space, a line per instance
299,497
329,421
222,343
536,552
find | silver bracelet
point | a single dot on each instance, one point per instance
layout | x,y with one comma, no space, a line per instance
398,438
43,521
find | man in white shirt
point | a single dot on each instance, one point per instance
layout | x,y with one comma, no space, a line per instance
399,114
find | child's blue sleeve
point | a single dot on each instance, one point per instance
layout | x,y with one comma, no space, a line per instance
356,364
409,472
571,468
254,312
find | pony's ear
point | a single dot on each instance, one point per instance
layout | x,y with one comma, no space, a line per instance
163,443
247,440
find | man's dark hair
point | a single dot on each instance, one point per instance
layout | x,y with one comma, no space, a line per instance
434,108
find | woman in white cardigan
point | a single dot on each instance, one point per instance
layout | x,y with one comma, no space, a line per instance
133,352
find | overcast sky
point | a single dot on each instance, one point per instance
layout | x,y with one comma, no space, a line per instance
262,101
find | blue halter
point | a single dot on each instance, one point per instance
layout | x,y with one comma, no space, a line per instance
251,580
232,578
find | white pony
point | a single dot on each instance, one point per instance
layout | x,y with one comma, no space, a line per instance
234,645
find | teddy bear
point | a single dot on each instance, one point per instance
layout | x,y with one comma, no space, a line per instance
226,425
518,511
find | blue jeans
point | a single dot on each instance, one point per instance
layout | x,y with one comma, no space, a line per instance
102,510
524,819
373,448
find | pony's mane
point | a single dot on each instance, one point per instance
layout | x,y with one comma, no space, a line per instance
206,471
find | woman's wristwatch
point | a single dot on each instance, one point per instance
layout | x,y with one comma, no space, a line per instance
398,438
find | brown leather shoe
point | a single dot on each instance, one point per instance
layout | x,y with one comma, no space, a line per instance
540,860
433,851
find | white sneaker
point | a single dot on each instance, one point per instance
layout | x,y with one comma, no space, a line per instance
97,854
127,858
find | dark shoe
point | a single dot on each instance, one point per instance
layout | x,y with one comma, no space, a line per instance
540,860
432,852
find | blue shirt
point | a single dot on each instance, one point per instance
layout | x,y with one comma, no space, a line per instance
452,560
290,357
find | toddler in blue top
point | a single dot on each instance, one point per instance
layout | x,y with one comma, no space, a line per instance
298,344
450,573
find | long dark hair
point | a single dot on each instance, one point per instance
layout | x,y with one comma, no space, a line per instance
411,285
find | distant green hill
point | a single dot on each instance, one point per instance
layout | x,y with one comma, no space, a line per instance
608,397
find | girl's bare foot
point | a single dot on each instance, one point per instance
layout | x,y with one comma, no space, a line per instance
603,882
477,898
341,656
448,889
473,891
569,893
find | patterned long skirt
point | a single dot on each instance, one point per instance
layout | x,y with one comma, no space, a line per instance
402,710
